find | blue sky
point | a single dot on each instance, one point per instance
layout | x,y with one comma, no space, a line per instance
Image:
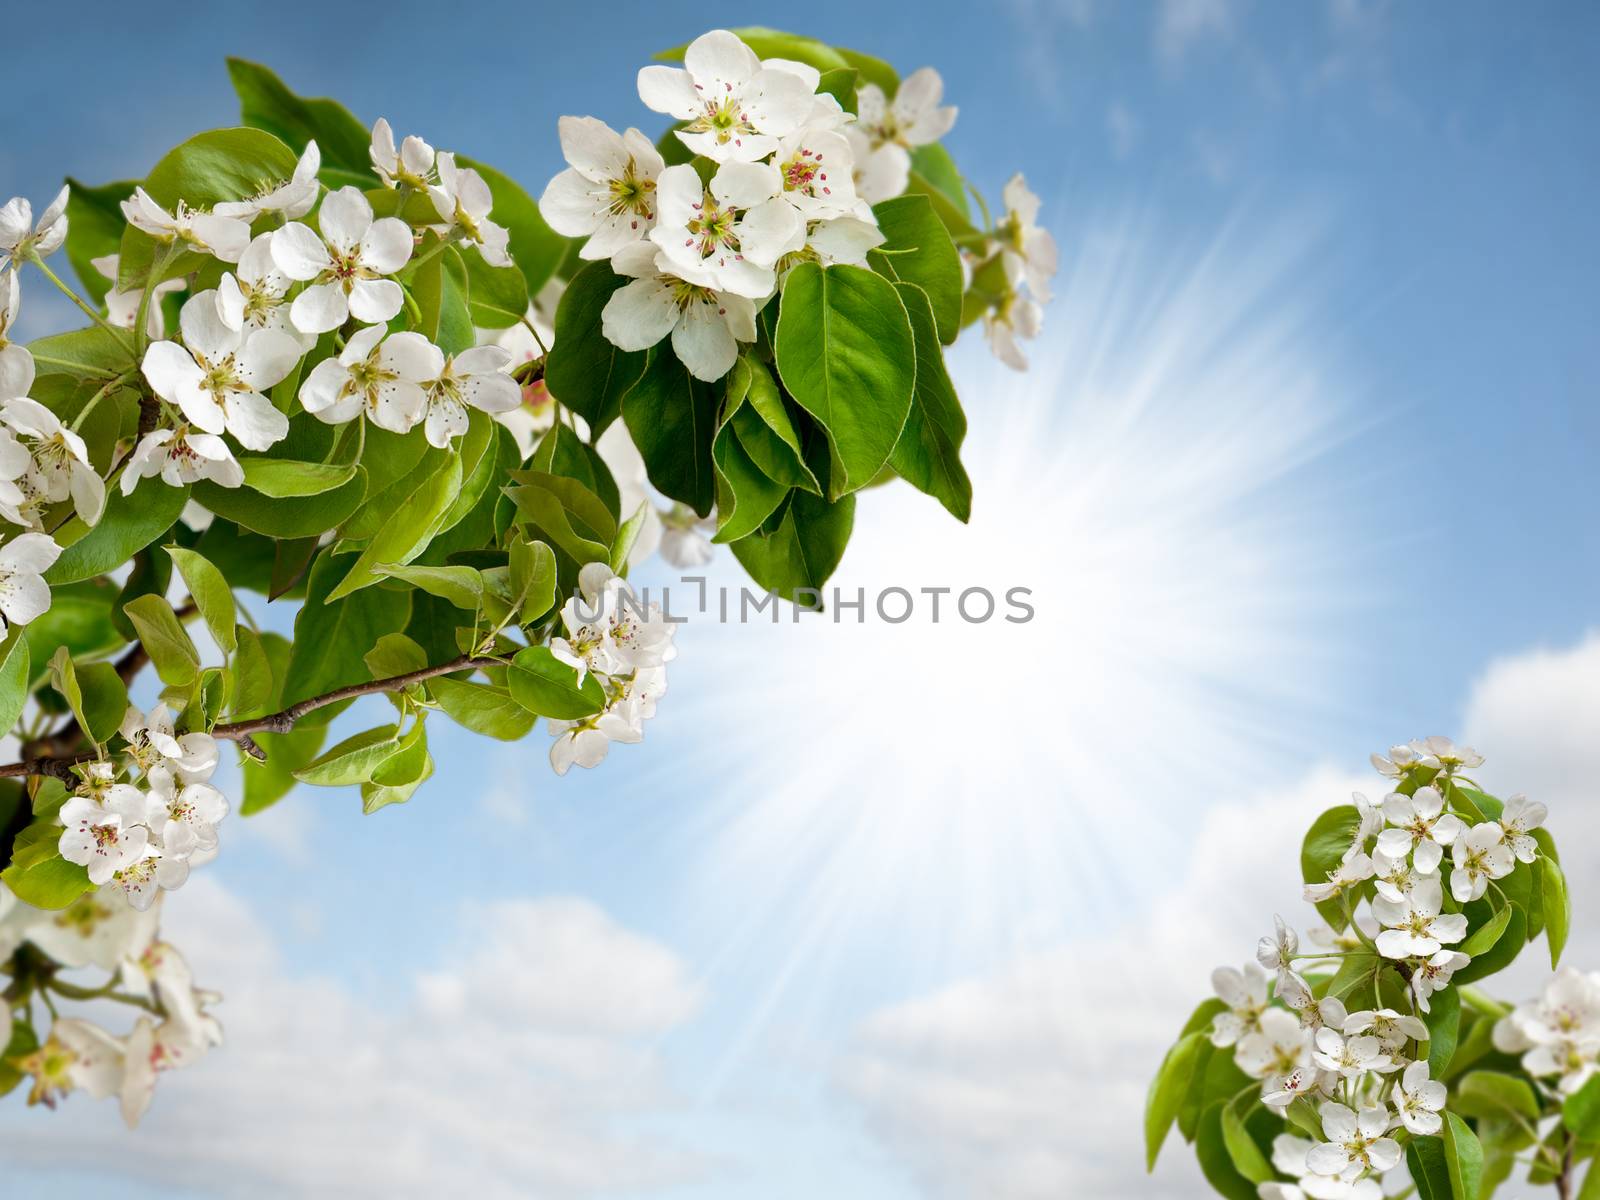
1333,263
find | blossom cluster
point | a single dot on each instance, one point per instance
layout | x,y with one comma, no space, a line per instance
174,1029
1558,1032
625,645
135,841
1367,1071
793,176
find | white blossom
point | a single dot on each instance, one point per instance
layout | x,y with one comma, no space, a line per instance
913,118
255,297
816,171
1245,993
1400,760
1350,1057
152,869
607,194
1391,1028
218,375
1353,869
1479,855
104,836
1418,1099
20,237
59,460
16,363
24,595
1017,316
1451,758
1027,252
1356,1142
706,324
91,931
219,236
292,199
734,108
1519,817
462,198
1414,927
411,166
122,308
735,229
1420,827
346,266
1434,975
1276,1048
1557,1033
378,376
1393,877
686,537
77,1056
1276,953
181,456
474,378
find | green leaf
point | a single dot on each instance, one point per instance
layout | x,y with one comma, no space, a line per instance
81,354
873,70
928,454
1430,1168
332,636
441,288
223,164
934,164
1242,1149
1444,1029
535,247
79,618
671,417
281,478
267,104
408,530
1463,1157
491,711
797,554
917,249
1591,1182
544,685
38,874
397,779
627,537
1483,938
165,639
1324,849
1580,1112
1494,1094
532,577
955,217
105,700
1216,1164
1557,904
353,760
128,525
287,518
462,586
395,654
746,497
572,517
1167,1091
252,674
211,593
14,677
846,353
840,83
764,427
1501,954
584,371
499,295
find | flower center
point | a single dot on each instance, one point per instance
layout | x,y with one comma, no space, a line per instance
803,173
725,118
713,229
630,193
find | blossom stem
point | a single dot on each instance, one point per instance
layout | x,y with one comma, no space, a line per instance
111,386
80,368
432,252
157,270
533,329
73,991
117,331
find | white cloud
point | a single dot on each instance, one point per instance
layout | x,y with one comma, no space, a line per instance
1031,1082
506,1072
1183,24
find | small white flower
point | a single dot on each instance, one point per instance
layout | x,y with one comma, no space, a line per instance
1356,1143
150,1050
1276,1049
59,461
16,363
1418,1100
1028,252
1393,877
1434,975
1451,758
836,240
122,308
1017,316
914,118
608,192
1354,869
1277,952
1421,828
463,199
255,298
76,1056
104,838
181,456
379,376
1368,826
1350,1057
219,236
706,324
158,750
92,931
20,237
1414,927
1519,817
735,108
218,375
474,378
184,815
685,537
1280,1091
293,198
1245,994
411,166
1314,1013
736,229
1388,1026
1479,855
1402,759
816,169
346,265
878,172
24,595
152,869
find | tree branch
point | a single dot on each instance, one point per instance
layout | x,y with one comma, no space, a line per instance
58,764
